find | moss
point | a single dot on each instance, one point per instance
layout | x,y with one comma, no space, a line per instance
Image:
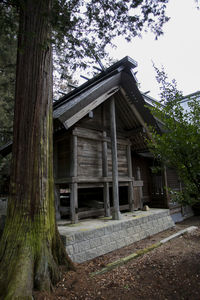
125,260
29,254
105,218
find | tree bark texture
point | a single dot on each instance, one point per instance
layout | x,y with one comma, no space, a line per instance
30,247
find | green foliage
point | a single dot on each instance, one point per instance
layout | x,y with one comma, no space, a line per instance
83,29
8,51
179,144
8,42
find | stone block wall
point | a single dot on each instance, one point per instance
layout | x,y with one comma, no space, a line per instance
88,244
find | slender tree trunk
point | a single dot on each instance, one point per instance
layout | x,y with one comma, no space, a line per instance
30,247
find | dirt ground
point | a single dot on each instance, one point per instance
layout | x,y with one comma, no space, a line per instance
169,272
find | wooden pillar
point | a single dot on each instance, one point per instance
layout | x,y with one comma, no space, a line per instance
105,174
56,187
166,187
140,188
74,185
57,201
130,175
115,188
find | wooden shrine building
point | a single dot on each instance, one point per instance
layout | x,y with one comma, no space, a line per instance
99,137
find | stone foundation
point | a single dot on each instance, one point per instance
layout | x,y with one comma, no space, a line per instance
89,239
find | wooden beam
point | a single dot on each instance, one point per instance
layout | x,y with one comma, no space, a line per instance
74,185
130,184
136,113
115,188
85,179
96,136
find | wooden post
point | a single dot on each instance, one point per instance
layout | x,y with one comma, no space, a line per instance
57,201
130,175
166,187
74,185
105,174
140,188
115,188
56,187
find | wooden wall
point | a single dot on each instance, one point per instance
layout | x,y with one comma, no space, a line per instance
122,159
90,148
89,157
93,168
144,165
63,157
89,132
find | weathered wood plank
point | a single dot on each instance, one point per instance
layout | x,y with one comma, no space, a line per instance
85,179
89,173
105,174
130,185
74,186
91,134
74,203
90,161
89,154
137,203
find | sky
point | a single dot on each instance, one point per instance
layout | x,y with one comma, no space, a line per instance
177,50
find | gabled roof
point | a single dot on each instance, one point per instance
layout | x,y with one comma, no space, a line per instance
118,81
82,103
125,62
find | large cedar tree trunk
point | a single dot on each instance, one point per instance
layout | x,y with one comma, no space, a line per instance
30,247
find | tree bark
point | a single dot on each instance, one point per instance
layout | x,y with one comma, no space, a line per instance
30,248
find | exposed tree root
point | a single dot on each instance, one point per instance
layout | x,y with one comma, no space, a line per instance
26,266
